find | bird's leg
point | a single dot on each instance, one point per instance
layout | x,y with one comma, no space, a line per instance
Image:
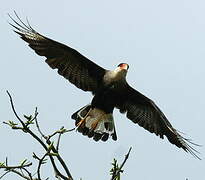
82,121
95,123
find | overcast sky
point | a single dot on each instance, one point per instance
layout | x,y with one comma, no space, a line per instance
164,44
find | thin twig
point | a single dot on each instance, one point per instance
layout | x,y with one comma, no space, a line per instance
126,157
58,142
16,172
4,174
20,174
61,131
54,150
39,165
29,174
38,128
118,170
15,167
13,108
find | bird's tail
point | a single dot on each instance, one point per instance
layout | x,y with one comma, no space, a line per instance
94,123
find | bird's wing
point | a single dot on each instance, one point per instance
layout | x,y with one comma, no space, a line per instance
143,111
73,66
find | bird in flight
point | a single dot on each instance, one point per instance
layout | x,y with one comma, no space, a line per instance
109,88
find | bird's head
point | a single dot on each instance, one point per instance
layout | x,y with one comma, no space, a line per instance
119,74
123,66
121,70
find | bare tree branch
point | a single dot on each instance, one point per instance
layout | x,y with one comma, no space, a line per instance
117,170
41,162
4,174
55,150
123,163
15,167
29,174
26,129
20,174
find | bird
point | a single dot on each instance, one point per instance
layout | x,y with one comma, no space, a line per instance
109,88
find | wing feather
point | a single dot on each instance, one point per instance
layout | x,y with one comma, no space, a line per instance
70,64
143,111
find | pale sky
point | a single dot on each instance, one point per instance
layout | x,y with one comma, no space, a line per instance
164,44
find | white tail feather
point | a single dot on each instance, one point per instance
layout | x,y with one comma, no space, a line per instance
95,123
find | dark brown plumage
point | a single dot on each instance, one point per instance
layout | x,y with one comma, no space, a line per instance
109,88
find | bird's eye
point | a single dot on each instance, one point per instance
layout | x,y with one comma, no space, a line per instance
121,65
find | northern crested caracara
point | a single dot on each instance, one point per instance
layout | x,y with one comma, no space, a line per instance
109,88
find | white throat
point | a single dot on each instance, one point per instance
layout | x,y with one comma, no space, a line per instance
117,75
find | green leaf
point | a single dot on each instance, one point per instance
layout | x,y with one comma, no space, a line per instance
2,164
12,123
50,146
28,117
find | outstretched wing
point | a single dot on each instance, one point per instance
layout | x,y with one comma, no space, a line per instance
73,66
143,111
